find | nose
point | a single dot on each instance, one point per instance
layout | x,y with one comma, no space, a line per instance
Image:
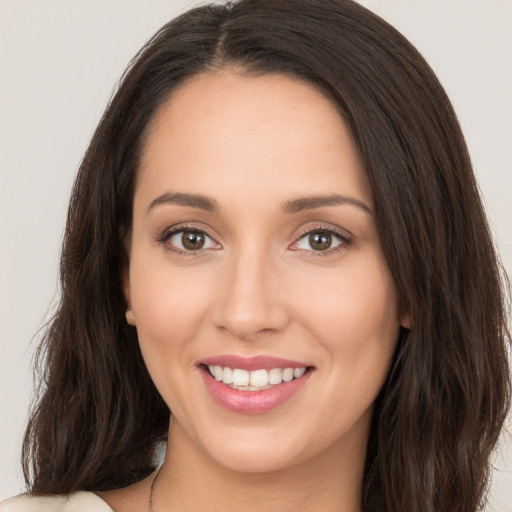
251,297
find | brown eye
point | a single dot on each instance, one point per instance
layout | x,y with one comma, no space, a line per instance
189,240
192,240
320,240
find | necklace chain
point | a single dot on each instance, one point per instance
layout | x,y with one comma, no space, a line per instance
152,492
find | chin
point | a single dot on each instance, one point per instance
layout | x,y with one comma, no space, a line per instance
267,450
254,459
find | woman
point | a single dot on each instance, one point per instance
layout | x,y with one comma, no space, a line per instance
276,235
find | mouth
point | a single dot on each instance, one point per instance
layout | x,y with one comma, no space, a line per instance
253,385
255,380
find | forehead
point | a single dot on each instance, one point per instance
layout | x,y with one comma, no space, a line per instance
223,129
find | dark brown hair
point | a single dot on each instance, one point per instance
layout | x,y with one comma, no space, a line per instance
98,420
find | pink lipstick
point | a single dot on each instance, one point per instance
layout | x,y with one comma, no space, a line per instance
253,385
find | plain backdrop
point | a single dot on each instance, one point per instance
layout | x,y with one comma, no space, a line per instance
59,63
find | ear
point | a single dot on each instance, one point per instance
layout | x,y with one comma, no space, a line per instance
405,320
130,315
125,277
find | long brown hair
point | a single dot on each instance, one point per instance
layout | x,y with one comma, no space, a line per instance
98,420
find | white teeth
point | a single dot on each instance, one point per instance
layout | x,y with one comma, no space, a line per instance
255,380
248,388
258,378
298,372
227,376
240,377
274,376
288,374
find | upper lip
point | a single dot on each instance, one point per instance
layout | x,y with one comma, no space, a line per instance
261,362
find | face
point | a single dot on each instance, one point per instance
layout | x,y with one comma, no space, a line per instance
266,314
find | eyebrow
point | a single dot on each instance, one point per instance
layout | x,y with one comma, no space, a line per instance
311,202
192,200
289,207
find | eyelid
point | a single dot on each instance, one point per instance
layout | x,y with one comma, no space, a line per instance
344,236
170,231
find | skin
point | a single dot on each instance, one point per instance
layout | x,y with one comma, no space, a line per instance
252,144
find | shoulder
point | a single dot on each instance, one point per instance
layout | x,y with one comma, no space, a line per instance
76,502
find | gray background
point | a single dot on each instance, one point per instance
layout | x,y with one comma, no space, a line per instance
59,62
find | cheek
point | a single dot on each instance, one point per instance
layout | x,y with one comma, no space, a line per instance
356,328
354,317
169,306
355,303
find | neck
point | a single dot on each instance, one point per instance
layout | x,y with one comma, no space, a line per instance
190,480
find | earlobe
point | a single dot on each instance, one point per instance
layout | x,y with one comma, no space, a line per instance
405,321
130,316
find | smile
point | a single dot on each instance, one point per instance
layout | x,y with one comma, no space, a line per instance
256,380
253,385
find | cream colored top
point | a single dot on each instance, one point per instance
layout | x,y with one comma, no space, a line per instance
76,502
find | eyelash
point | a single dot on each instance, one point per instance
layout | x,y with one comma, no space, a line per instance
344,239
169,233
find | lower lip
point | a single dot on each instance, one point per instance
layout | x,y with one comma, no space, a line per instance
252,402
